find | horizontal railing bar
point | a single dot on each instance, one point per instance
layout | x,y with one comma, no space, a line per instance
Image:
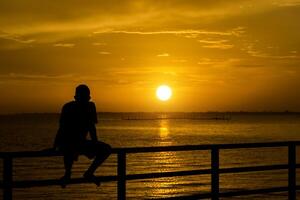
254,191
230,194
52,182
158,149
33,154
33,183
167,174
206,171
208,147
186,197
252,168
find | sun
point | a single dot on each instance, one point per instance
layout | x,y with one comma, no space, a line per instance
163,92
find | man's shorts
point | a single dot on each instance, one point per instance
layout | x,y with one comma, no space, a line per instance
88,148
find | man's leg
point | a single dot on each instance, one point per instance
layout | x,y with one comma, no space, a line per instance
68,162
102,151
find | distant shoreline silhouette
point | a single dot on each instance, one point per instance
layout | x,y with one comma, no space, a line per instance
200,112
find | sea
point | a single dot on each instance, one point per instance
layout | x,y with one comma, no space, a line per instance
35,132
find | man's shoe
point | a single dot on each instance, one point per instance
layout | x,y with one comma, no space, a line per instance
64,181
92,178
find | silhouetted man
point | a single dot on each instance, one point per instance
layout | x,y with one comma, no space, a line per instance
78,118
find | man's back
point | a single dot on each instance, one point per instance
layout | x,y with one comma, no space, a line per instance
75,121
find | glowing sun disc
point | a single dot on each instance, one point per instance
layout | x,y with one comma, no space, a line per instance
163,92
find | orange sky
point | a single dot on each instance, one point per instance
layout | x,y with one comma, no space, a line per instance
217,55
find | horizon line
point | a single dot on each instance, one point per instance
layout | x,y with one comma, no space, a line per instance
224,112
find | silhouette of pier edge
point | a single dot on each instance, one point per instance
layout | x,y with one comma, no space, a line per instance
8,184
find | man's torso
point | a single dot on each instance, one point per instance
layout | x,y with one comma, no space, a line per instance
75,122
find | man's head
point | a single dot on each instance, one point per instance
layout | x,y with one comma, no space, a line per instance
82,93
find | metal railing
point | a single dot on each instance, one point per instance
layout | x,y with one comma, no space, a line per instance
8,184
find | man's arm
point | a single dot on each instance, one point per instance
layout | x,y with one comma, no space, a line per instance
59,134
56,140
93,122
93,133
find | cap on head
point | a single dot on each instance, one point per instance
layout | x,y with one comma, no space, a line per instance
82,93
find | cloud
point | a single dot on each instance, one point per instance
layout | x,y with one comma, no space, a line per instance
104,53
206,61
54,78
219,46
163,55
189,33
287,3
70,19
15,37
17,76
99,44
68,45
219,62
52,21
254,52
213,41
216,44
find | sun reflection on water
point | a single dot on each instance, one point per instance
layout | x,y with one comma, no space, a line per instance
164,129
164,162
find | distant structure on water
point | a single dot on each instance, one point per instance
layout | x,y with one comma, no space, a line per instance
184,116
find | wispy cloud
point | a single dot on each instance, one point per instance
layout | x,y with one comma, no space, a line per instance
219,46
99,44
104,53
287,3
68,45
213,41
190,33
149,17
51,78
252,51
206,61
216,44
163,55
15,37
18,76
219,62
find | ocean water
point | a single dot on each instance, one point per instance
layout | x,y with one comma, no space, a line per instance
31,132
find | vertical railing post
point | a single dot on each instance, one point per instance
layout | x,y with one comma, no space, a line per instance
215,173
121,175
7,178
292,171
